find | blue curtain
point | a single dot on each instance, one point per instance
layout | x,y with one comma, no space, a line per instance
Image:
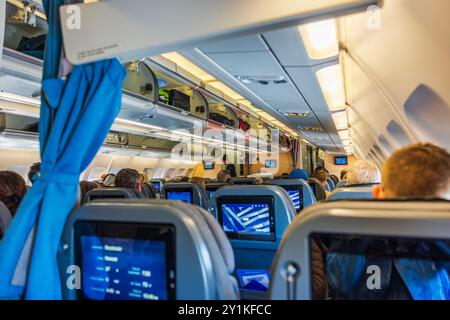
76,115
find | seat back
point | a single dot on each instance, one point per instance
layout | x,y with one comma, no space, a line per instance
214,186
254,218
149,250
244,181
318,190
353,192
111,193
399,248
158,184
5,219
300,192
186,192
331,184
149,190
341,184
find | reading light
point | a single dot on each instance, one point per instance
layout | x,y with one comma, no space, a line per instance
340,120
331,81
320,39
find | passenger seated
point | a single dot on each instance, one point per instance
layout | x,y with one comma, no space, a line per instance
86,186
34,172
128,178
417,171
363,172
223,176
322,177
12,190
299,174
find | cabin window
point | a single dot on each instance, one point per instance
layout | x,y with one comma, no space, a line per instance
398,134
159,173
189,172
114,170
95,173
181,172
428,114
385,144
21,170
170,173
149,172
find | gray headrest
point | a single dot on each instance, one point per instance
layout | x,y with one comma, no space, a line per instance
111,193
5,219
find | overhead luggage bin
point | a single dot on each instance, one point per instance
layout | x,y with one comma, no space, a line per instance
85,40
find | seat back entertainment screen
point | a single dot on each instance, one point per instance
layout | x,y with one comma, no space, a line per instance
125,261
257,280
180,195
296,195
157,186
250,218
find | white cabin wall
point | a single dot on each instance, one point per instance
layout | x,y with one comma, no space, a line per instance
18,160
384,67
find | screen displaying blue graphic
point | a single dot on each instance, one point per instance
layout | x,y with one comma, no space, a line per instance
257,280
184,196
271,164
296,197
243,219
340,161
123,269
208,165
157,186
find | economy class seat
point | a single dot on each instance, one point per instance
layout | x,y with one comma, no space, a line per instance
254,219
214,186
331,184
185,191
357,191
299,191
159,249
348,227
318,190
5,219
112,193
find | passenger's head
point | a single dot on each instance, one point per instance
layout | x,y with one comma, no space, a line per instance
223,176
321,176
417,171
143,177
12,190
198,180
127,178
86,186
343,174
34,172
299,174
362,172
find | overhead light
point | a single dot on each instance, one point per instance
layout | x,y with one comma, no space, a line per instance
187,65
340,120
11,97
344,135
320,39
331,81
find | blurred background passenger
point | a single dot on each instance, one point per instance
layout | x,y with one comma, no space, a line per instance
12,190
223,176
419,170
322,177
34,172
128,178
299,174
363,172
86,186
